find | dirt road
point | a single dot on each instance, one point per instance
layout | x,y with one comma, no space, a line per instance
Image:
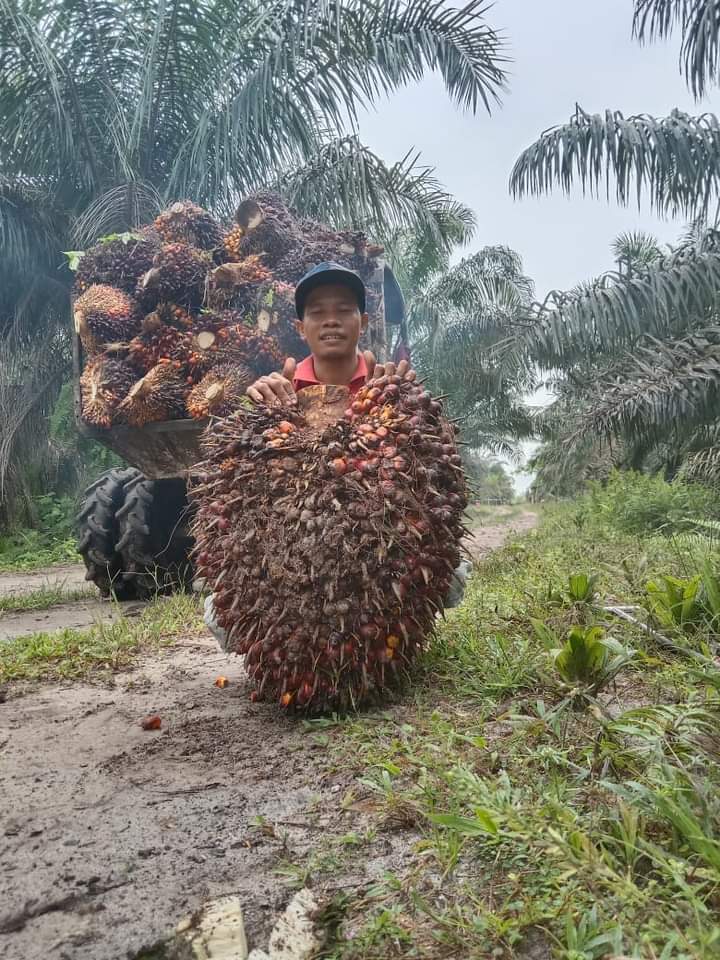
66,576
109,835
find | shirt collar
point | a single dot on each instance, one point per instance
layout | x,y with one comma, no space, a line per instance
305,372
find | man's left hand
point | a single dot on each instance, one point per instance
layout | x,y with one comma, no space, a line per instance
376,370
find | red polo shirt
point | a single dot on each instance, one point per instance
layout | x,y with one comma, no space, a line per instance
305,375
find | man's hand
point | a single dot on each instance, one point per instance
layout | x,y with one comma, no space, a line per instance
377,370
275,389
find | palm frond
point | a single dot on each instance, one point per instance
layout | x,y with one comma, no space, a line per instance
635,249
676,292
666,387
119,209
675,159
346,184
699,23
208,100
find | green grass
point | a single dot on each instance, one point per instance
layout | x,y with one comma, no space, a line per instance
44,598
540,819
101,649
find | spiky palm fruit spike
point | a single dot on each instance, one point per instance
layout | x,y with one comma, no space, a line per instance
220,391
104,384
159,395
330,538
104,314
186,222
119,262
178,274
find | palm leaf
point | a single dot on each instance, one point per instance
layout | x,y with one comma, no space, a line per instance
699,23
665,387
665,297
346,184
675,159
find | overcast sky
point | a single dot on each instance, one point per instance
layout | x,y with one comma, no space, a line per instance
563,52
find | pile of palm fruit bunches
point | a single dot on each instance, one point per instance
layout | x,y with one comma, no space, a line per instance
330,546
179,317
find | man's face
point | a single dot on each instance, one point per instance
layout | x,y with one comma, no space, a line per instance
332,322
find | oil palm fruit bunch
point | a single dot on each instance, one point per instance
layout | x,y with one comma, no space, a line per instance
160,343
177,274
119,261
186,222
220,391
104,384
223,338
269,228
104,314
329,534
159,395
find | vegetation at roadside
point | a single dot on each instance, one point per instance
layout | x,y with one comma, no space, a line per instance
52,541
45,598
101,649
552,788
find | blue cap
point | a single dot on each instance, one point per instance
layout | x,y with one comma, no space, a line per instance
324,273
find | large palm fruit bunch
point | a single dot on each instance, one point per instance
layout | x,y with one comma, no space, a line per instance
104,384
330,538
220,391
186,222
163,343
159,395
178,274
269,227
223,338
104,315
119,261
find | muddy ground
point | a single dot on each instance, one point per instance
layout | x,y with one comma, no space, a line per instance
109,835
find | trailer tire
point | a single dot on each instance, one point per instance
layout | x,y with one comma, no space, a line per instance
155,540
98,533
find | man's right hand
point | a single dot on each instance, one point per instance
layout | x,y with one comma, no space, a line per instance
276,389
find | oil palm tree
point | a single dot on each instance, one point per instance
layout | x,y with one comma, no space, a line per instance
639,346
109,110
456,316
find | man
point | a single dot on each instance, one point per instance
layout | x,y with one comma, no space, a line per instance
331,318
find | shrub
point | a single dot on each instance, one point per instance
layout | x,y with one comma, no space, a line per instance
639,504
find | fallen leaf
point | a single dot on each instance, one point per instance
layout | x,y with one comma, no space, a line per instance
221,682
151,723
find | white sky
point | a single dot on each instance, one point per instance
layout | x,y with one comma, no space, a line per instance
564,52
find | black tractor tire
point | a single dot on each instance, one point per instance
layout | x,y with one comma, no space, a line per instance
98,533
155,540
